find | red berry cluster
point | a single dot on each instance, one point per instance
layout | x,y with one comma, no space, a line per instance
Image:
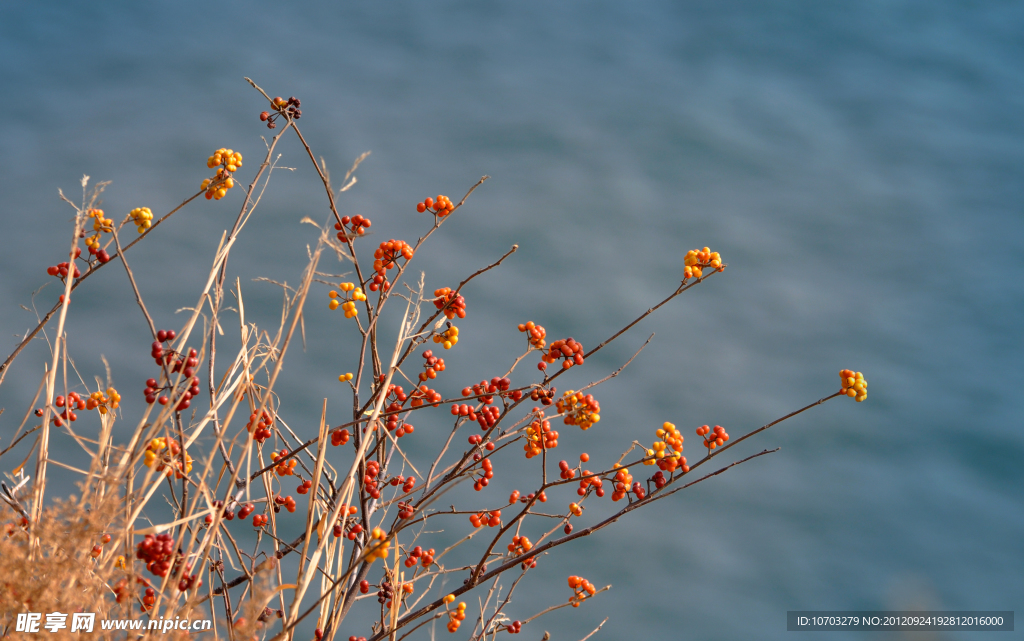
189,580
487,389
539,435
488,474
432,365
61,269
659,479
370,479
339,436
419,555
546,397
477,439
536,334
259,520
718,438
246,510
450,303
288,108
287,502
515,627
512,498
490,519
353,529
567,349
407,483
623,479
405,510
285,467
71,403
386,257
441,206
566,472
355,226
157,552
259,424
423,395
227,513
148,600
304,487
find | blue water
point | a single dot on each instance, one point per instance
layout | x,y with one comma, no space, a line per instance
860,167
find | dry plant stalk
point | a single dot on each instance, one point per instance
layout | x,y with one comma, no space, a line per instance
210,464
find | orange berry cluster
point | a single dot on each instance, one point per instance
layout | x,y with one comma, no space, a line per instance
546,397
587,481
697,260
536,334
259,520
668,450
262,423
143,217
449,337
348,304
354,226
567,349
104,402
423,395
157,552
539,436
718,438
370,479
169,460
450,303
99,225
622,484
854,384
339,436
455,618
285,467
581,590
432,366
287,502
386,257
419,555
579,409
490,519
576,509
488,474
441,206
519,546
228,162
378,547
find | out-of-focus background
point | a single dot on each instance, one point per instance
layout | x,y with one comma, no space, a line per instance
860,167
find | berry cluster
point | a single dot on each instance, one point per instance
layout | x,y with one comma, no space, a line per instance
486,389
370,479
432,365
697,260
348,304
355,226
290,109
407,483
455,618
441,206
667,452
104,402
711,442
488,474
339,436
378,547
142,216
536,334
386,257
61,269
567,349
622,483
343,517
539,436
165,454
587,481
519,546
246,510
259,520
546,397
450,303
515,627
228,162
285,467
579,409
157,552
162,336
259,425
344,378
854,384
304,487
71,403
490,519
449,337
99,225
421,556
98,548
575,509
189,580
581,590
287,502
423,395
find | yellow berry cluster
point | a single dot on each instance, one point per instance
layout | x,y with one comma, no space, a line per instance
348,304
449,337
171,460
229,161
854,384
110,400
143,218
579,409
697,260
455,618
345,377
378,547
99,225
668,450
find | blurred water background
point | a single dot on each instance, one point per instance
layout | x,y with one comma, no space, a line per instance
860,167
